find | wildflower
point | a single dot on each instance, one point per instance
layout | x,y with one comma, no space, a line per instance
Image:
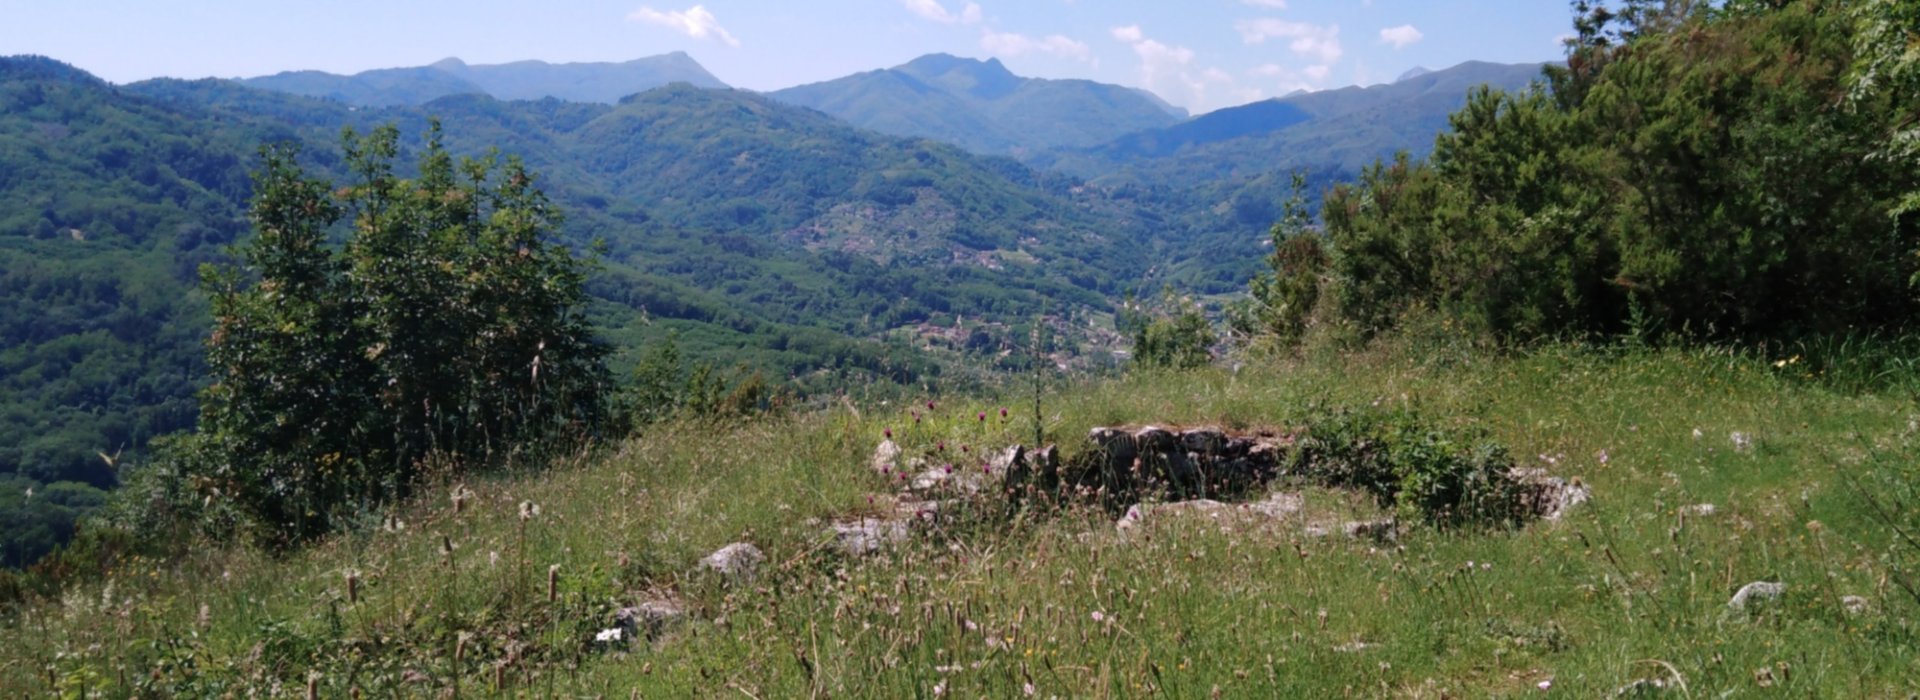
941,446
949,468
983,416
1099,616
1602,457
887,432
529,510
1027,687
929,405
608,636
1545,685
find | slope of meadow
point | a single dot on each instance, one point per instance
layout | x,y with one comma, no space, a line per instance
500,585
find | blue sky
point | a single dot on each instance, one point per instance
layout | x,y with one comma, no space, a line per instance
1199,54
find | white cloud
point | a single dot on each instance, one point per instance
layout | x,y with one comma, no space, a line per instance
694,21
1287,80
1270,4
933,10
1169,71
1322,43
1009,45
1401,36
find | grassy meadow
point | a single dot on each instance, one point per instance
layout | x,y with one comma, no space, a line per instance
496,587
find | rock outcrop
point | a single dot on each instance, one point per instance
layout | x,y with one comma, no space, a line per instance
739,560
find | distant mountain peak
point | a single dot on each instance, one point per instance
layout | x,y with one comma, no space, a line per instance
601,82
986,80
979,104
1412,73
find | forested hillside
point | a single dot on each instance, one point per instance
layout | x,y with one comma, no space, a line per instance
765,236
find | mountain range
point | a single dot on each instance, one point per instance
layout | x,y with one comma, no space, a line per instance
520,80
983,107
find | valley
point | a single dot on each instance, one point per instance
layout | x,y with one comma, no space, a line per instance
944,349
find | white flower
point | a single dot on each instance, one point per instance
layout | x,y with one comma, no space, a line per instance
1099,616
611,634
1545,685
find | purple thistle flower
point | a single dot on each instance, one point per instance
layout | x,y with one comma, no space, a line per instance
983,416
887,432
1003,412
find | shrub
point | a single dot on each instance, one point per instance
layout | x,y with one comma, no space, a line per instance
1448,478
1176,335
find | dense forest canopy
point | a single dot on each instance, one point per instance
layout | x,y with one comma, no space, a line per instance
1734,171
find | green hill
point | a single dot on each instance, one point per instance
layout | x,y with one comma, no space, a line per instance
1063,601
765,235
981,106
520,80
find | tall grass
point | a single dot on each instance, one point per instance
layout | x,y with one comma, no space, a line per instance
1631,586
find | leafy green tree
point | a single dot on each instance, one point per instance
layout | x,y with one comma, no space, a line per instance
1285,295
1886,75
1694,166
448,323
